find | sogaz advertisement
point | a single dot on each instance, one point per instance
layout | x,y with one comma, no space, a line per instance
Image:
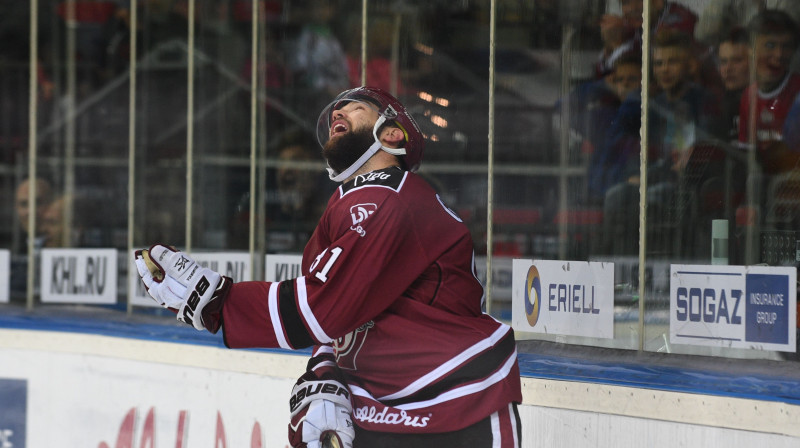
751,307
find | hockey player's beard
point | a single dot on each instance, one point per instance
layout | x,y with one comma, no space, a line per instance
344,150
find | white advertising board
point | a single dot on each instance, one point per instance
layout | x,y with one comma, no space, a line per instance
571,298
5,276
235,265
79,276
109,402
751,307
280,267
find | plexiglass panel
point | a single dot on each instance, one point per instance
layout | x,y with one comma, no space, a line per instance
555,96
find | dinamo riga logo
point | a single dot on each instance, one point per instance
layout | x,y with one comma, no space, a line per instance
533,295
347,347
359,213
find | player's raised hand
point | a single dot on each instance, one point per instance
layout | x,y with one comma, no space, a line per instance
177,282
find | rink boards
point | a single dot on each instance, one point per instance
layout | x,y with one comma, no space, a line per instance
67,388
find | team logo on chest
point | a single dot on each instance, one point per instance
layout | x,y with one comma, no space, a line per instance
359,213
347,347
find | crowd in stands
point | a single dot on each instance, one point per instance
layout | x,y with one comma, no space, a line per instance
707,107
722,85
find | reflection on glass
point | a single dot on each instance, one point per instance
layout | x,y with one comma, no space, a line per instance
721,120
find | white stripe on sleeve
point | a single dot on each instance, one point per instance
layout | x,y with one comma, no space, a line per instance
275,316
305,309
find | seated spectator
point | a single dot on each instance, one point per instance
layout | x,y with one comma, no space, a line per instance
627,76
683,112
612,154
296,194
622,34
720,17
774,38
23,207
733,54
665,15
621,169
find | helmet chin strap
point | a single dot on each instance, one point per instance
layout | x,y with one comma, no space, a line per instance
374,148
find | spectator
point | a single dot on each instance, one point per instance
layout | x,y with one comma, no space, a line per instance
621,168
621,34
627,76
295,205
774,38
23,207
683,112
292,205
734,68
720,17
608,161
733,55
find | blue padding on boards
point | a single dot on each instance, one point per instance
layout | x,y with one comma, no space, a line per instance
170,331
687,380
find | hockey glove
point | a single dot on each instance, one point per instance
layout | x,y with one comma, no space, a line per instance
178,283
320,414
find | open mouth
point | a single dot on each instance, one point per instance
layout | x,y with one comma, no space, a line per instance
777,68
338,127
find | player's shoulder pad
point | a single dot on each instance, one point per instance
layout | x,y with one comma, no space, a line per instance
392,178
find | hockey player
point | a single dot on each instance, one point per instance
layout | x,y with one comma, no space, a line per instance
403,354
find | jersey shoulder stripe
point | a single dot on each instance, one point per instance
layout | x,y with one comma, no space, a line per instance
392,178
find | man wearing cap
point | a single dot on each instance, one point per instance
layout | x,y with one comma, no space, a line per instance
403,354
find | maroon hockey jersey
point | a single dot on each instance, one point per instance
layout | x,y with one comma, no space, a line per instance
771,110
389,289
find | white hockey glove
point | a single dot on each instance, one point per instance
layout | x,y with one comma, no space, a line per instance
320,414
178,283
